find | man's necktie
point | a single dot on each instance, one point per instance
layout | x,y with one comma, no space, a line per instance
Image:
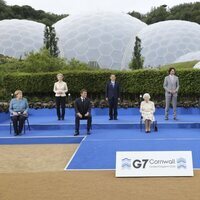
83,105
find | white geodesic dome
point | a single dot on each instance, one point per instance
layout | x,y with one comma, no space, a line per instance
197,66
164,42
106,38
18,37
189,57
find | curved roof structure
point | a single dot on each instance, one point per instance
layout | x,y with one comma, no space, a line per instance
18,37
189,57
197,66
106,38
164,42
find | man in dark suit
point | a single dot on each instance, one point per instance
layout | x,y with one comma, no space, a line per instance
112,96
82,112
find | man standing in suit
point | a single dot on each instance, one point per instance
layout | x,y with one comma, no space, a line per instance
171,86
112,96
82,112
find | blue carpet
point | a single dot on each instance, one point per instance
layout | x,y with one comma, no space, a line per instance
100,116
98,151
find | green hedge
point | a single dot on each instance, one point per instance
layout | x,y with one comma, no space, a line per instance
133,83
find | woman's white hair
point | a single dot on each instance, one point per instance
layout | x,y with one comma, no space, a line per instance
146,95
59,75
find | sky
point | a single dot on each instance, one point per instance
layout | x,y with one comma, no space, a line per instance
79,6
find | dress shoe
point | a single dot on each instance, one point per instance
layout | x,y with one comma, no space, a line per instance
147,131
115,118
166,118
59,119
16,133
175,118
111,119
20,134
88,132
76,133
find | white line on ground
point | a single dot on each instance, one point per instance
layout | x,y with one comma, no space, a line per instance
74,154
103,169
31,137
108,140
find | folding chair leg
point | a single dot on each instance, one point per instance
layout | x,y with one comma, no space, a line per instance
24,127
29,128
155,126
10,128
141,125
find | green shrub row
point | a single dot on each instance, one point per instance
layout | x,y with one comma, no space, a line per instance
132,83
44,61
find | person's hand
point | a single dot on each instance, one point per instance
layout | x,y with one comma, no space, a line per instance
87,114
79,114
173,91
106,98
15,113
118,99
59,92
24,113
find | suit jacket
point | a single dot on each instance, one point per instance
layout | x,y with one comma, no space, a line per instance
112,91
171,84
82,107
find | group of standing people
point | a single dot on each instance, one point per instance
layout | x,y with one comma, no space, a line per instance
19,106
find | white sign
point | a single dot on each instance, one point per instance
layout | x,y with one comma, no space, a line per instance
154,163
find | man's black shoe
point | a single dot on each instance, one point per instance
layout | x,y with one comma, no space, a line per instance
111,119
115,118
88,132
76,133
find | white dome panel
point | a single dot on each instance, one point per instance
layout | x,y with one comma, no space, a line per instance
19,37
164,42
197,66
189,57
103,33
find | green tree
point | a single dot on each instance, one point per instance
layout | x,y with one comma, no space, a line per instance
186,11
2,2
137,15
27,12
157,14
137,60
41,61
51,41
